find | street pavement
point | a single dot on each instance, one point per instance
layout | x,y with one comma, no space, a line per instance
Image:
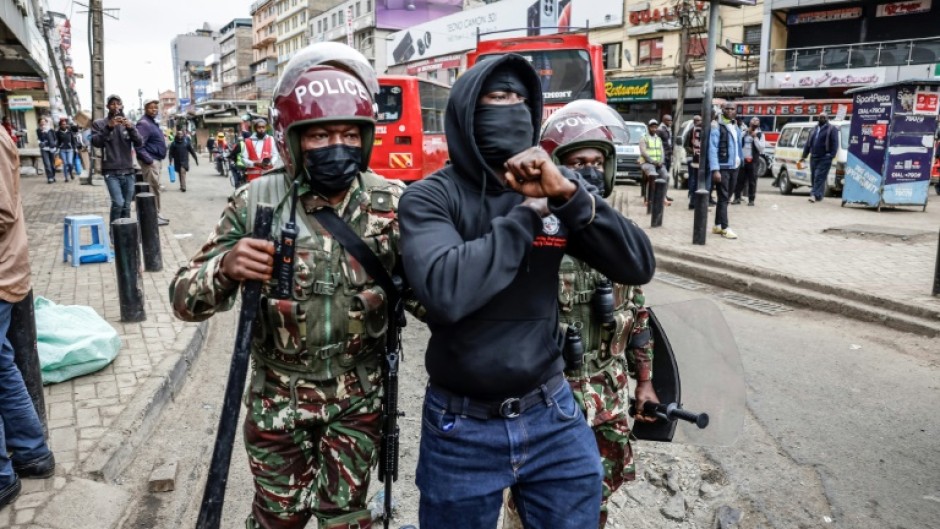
875,266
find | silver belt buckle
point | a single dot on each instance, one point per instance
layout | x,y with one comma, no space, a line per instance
510,408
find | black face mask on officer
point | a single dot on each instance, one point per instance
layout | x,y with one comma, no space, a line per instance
332,169
593,177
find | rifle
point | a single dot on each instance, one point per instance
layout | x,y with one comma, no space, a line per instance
210,513
388,447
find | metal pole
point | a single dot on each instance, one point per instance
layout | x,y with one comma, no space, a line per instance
96,49
127,267
22,336
701,220
936,273
700,225
685,7
659,196
149,231
141,187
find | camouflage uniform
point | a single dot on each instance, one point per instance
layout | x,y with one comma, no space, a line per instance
611,355
314,396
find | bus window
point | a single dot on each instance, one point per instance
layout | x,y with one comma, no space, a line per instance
389,102
433,104
565,74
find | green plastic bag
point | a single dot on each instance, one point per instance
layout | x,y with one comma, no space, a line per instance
73,340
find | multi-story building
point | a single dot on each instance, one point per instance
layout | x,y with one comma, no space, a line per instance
291,29
644,55
264,55
24,67
818,48
187,51
168,102
235,57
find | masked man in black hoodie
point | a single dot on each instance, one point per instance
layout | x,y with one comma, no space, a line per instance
482,240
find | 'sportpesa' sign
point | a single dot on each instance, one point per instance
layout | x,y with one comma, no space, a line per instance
627,90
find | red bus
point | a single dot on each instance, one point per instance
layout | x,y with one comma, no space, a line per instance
569,65
409,133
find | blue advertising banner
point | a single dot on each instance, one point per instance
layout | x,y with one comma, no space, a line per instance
868,135
200,91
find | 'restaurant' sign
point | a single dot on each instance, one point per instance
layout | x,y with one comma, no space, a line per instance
903,8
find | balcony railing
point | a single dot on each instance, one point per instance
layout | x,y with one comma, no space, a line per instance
861,55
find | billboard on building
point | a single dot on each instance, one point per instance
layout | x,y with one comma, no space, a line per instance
401,14
200,90
457,33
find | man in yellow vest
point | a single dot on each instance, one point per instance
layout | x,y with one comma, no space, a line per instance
652,159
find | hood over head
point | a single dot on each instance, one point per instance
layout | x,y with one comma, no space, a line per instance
509,71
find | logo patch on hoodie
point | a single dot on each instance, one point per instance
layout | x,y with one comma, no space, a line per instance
549,237
550,225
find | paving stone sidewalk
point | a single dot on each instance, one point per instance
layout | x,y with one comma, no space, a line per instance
96,420
889,254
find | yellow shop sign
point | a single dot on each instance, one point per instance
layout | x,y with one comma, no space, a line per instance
626,90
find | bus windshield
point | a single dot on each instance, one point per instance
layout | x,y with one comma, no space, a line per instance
389,102
565,74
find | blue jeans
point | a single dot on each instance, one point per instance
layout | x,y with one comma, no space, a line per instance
48,164
68,158
121,188
548,457
20,430
820,166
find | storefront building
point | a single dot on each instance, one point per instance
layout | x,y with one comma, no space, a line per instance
821,49
645,52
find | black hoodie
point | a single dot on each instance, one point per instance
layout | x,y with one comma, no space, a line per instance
486,268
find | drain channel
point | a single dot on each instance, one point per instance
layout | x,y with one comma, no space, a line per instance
759,305
680,282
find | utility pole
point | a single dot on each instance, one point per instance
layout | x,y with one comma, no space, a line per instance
682,73
96,14
701,199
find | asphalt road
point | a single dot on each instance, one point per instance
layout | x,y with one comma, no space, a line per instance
840,428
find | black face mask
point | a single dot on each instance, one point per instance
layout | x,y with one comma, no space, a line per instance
502,131
332,169
593,177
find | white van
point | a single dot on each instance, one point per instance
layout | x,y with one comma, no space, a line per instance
793,136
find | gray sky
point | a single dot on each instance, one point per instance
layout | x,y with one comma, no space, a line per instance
137,45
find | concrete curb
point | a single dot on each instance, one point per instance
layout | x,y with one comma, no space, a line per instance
906,317
135,424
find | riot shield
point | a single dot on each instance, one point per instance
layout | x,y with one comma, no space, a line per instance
696,367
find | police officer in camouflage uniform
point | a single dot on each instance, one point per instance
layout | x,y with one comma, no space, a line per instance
313,401
581,136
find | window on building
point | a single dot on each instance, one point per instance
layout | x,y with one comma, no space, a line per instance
650,52
698,46
293,22
333,20
612,56
342,17
752,37
368,6
358,13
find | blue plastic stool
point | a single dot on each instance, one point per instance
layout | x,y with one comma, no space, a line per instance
99,251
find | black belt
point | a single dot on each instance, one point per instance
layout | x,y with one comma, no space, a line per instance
509,408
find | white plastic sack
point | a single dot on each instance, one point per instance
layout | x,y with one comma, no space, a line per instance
73,340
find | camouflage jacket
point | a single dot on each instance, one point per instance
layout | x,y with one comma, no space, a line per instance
628,341
336,317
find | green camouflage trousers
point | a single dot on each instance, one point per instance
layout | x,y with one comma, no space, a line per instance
311,449
603,398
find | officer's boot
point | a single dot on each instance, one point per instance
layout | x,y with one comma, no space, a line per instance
353,520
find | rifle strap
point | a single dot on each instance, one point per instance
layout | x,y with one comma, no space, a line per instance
356,247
